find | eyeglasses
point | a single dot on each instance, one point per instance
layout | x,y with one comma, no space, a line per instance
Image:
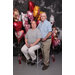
43,16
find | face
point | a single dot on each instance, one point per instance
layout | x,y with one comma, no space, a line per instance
33,24
43,17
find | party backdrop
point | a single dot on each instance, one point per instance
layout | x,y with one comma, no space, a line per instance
51,7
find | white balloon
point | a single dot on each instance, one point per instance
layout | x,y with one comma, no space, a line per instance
52,19
19,17
24,18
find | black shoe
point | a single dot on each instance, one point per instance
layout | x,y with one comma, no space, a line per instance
29,61
45,67
33,62
42,63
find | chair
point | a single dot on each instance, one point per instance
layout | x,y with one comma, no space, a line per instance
38,60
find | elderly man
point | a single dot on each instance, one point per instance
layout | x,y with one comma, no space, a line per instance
32,43
46,31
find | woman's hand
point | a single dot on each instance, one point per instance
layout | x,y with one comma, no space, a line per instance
31,45
27,45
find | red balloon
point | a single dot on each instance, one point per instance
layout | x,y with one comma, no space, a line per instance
38,21
52,39
31,6
19,35
27,27
17,25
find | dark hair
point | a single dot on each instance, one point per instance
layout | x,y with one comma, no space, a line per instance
34,20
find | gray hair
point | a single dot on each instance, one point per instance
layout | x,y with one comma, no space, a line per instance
44,13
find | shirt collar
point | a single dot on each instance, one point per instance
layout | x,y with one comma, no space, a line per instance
44,21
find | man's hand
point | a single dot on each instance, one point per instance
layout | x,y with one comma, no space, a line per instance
44,39
48,35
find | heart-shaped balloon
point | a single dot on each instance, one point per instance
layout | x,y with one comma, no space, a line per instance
19,34
36,11
38,21
17,25
52,19
27,27
31,6
24,18
30,15
24,35
39,17
52,38
56,42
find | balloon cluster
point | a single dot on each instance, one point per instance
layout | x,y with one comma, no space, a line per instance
33,13
55,40
25,21
35,10
17,25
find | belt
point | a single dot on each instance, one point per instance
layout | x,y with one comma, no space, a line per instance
49,38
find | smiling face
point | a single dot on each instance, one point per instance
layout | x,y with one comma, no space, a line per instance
33,24
43,17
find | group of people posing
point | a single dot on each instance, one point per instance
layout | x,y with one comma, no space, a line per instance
38,37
